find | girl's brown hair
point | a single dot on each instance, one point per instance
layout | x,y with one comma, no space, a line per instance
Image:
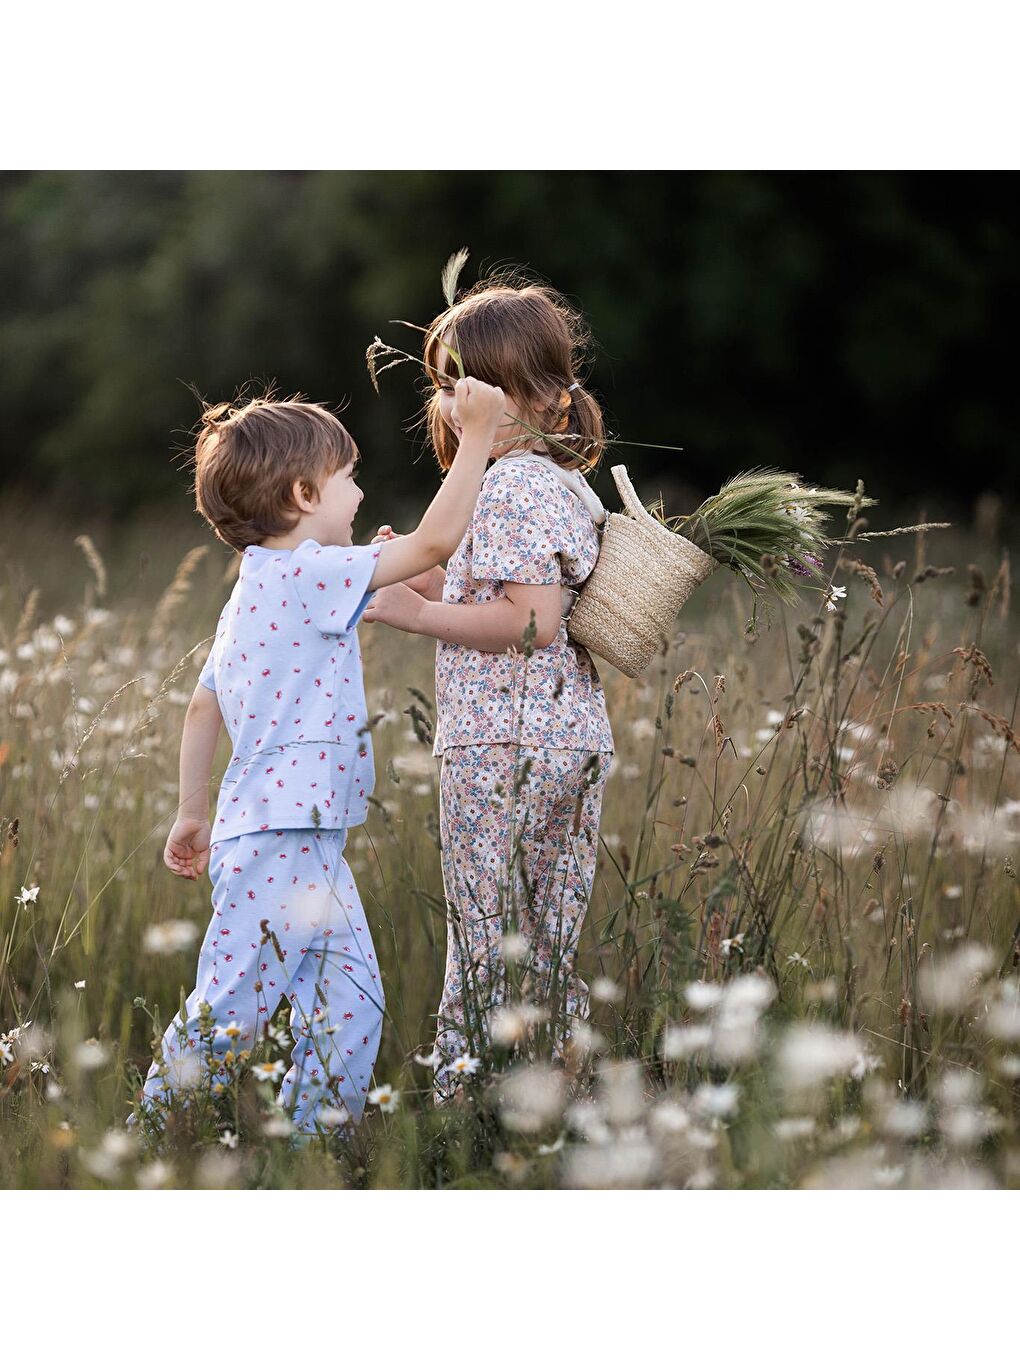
525,338
248,457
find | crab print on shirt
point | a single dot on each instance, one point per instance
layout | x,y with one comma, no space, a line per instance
286,668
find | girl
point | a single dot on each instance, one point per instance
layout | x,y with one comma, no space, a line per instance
522,728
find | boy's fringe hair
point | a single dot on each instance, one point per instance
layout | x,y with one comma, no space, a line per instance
250,452
524,337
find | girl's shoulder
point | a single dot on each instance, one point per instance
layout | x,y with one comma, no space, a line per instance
529,477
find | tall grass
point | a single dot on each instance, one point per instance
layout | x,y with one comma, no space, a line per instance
802,943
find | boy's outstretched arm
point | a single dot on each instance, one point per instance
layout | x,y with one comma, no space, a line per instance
478,410
428,584
187,846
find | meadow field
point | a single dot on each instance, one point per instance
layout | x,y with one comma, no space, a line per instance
802,946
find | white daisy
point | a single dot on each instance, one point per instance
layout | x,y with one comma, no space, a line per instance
268,1071
169,936
465,1065
385,1097
514,948
605,989
333,1116
90,1056
277,1125
702,996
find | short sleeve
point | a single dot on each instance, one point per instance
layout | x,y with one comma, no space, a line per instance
332,583
208,673
514,530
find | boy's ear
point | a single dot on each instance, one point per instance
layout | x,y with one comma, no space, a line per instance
304,494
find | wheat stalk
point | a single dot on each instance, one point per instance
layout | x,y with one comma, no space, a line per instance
175,592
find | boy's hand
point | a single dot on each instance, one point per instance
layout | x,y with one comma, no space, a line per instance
477,407
396,605
187,847
425,580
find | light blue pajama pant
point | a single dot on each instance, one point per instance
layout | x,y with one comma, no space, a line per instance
287,923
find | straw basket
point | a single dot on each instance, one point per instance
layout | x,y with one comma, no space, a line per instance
644,575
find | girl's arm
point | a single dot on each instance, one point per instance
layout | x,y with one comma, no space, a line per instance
493,627
187,846
437,580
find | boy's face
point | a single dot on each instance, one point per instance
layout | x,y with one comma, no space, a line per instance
339,498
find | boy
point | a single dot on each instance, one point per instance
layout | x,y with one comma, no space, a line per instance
276,481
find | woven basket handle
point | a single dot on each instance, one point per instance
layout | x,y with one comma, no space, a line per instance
629,496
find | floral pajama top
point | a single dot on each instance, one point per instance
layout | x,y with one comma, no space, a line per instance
527,528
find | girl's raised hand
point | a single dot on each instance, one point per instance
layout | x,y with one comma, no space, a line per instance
477,407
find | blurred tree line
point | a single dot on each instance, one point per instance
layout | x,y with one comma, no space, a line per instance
842,325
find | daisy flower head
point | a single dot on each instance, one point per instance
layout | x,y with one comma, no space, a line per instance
385,1097
169,937
268,1071
514,948
702,996
154,1176
333,1116
465,1065
277,1125
90,1056
717,1101
605,989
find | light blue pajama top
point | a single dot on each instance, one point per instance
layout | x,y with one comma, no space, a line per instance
286,668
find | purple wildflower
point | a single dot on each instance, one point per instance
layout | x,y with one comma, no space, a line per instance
798,567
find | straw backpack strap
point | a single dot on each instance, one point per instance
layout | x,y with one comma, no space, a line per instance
630,497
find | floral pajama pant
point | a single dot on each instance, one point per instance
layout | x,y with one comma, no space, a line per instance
287,923
519,829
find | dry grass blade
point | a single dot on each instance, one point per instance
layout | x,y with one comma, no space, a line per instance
451,274
175,593
24,625
811,863
96,562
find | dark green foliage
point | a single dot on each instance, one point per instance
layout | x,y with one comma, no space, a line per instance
839,325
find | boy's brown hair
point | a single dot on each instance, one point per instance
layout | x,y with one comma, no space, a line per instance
248,457
525,338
